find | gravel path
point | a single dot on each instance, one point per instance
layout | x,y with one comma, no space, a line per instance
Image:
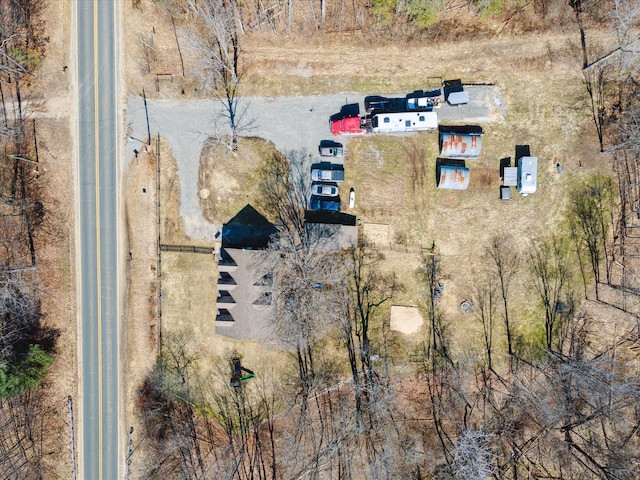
291,123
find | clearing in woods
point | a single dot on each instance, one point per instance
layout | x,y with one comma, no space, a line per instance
545,106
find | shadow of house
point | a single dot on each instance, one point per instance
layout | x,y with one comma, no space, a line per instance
244,280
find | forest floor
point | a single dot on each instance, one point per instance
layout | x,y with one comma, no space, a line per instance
48,105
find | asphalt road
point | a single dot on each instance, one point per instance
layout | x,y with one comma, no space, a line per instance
98,229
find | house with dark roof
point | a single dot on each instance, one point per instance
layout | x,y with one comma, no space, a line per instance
248,229
244,277
245,264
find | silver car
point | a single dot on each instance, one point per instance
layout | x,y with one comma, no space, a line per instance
329,148
324,189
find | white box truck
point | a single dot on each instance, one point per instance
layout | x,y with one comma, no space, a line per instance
527,175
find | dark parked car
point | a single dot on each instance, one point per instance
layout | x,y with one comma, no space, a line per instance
321,202
376,102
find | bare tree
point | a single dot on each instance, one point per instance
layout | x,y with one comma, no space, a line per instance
367,290
472,456
485,309
549,270
304,275
430,273
504,266
591,214
285,190
219,45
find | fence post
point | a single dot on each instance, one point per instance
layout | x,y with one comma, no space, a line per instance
158,252
72,440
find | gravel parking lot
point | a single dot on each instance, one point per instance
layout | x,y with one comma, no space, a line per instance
292,123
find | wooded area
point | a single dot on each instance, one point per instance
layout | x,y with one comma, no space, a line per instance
26,345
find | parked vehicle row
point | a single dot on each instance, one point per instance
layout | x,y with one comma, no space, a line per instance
325,177
411,113
393,122
418,100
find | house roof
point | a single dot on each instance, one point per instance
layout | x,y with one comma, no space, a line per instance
248,229
244,308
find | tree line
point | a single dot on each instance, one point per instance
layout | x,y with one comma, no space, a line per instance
26,343
394,19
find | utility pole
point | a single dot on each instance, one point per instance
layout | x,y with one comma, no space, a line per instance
146,112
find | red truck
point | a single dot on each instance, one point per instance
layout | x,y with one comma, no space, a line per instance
348,126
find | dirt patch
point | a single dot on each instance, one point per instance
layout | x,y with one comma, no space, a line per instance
171,222
377,234
407,320
141,325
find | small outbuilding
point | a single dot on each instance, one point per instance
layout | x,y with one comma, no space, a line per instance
510,178
454,92
452,177
460,141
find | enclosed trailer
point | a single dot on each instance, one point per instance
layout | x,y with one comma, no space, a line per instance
404,122
452,177
527,175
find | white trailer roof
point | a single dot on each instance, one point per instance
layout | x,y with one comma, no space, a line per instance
527,175
404,122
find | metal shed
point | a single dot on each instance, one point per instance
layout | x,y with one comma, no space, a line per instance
452,177
510,178
460,145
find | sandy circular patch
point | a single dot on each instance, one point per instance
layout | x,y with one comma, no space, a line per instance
204,193
405,319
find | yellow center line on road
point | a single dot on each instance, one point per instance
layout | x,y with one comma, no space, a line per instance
98,278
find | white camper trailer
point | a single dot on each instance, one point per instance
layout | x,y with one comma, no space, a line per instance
527,175
404,122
